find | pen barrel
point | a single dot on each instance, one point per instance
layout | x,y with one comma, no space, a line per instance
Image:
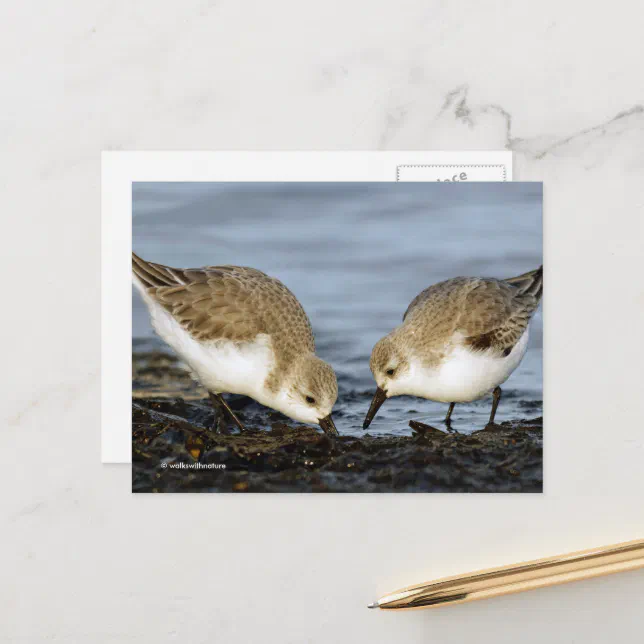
521,577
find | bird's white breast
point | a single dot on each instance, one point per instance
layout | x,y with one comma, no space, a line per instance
222,366
465,375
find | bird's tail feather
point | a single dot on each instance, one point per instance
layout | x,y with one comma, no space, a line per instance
151,275
530,283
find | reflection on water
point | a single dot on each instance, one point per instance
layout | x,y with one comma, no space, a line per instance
355,255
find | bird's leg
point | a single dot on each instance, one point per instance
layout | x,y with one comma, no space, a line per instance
495,403
220,421
222,413
448,418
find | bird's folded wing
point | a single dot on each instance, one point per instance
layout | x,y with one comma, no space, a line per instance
495,315
223,302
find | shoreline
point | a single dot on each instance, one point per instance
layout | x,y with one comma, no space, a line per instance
172,455
173,449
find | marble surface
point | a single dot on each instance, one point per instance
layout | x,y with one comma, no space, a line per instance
559,84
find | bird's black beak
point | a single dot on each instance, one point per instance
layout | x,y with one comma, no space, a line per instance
328,426
379,397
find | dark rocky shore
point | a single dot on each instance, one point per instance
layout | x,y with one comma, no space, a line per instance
173,449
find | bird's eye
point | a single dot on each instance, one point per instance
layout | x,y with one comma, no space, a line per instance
390,372
310,400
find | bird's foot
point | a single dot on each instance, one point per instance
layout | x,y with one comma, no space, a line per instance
220,425
425,430
224,415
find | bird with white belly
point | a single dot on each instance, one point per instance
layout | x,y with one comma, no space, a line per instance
240,331
460,339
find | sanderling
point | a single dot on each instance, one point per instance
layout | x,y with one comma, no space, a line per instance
240,331
459,340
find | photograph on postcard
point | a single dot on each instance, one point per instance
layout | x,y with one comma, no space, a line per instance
337,337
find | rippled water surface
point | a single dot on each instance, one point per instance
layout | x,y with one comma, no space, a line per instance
355,255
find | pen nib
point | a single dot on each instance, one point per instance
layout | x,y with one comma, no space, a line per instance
374,605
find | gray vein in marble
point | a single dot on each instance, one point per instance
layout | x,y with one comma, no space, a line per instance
33,508
633,114
70,393
456,102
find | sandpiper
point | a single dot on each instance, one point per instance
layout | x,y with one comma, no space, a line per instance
459,340
240,331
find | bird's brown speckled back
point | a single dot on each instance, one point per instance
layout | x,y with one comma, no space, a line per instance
489,314
233,303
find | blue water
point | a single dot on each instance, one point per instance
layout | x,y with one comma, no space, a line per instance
355,255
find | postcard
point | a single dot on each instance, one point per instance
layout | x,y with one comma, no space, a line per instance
121,170
336,336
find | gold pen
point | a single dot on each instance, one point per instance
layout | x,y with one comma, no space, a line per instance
518,577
